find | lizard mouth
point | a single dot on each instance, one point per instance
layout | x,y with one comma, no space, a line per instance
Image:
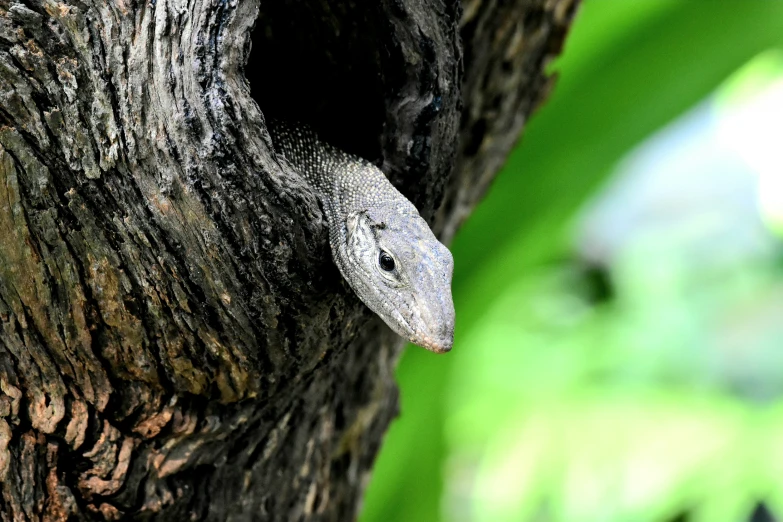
421,337
435,345
433,330
437,334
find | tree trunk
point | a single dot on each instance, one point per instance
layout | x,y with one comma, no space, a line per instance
175,342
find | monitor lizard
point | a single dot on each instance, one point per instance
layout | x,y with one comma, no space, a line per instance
382,246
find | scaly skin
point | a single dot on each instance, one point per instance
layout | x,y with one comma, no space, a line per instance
370,222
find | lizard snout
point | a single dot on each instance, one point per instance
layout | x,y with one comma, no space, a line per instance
436,332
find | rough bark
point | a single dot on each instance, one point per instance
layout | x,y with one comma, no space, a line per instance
175,342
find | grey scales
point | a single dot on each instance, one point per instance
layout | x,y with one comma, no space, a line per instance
382,246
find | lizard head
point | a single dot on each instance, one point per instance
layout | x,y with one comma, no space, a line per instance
402,273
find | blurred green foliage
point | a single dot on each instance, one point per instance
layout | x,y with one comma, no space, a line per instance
557,403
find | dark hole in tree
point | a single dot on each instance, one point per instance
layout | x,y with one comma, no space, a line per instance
322,63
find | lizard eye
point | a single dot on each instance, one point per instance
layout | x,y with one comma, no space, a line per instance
385,261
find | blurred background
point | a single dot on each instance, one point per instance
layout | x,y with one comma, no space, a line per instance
619,292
